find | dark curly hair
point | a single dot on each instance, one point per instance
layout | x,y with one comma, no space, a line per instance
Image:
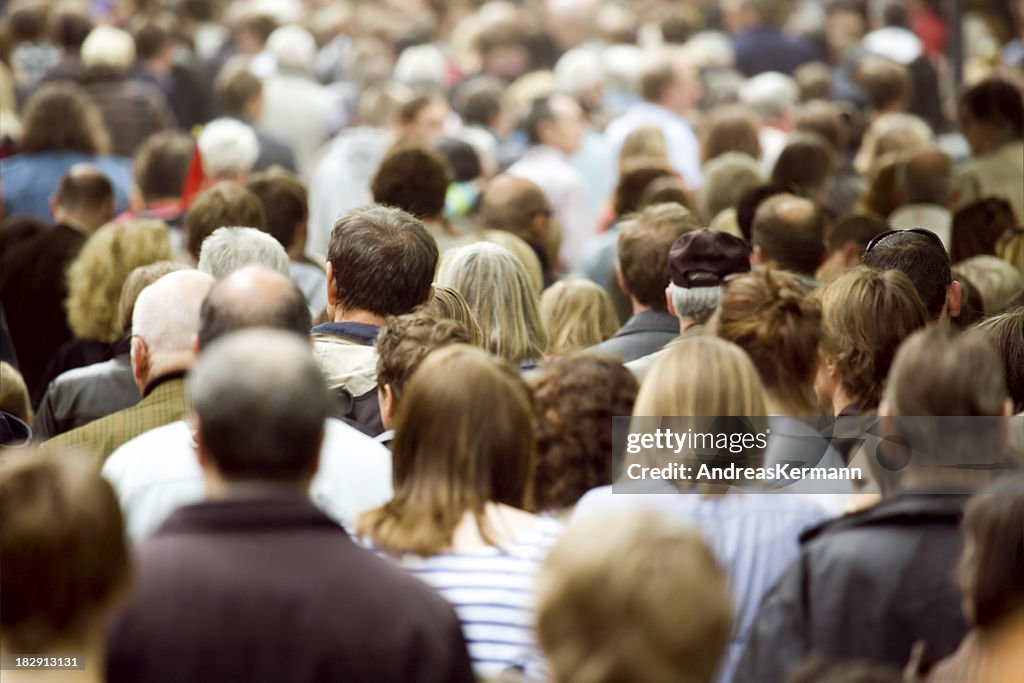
575,400
414,179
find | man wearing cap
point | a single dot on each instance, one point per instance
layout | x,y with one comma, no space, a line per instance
699,263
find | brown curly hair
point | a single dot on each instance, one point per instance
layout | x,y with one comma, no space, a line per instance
575,400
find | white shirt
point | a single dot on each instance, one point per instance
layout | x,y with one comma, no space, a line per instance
683,147
566,192
158,472
932,217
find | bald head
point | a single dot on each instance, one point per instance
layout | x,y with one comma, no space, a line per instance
514,205
789,231
165,321
928,178
253,296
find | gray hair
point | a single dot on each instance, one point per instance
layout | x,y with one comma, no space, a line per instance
694,303
228,147
771,94
727,178
261,403
230,248
108,46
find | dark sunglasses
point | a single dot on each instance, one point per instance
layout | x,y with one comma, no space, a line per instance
882,236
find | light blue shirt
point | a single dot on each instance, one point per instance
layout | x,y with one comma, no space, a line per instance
683,147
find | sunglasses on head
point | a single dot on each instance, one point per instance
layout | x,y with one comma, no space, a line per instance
882,236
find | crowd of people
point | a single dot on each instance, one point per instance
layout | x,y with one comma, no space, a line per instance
322,324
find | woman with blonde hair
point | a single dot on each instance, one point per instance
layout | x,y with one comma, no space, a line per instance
95,279
502,297
755,536
448,303
461,476
578,314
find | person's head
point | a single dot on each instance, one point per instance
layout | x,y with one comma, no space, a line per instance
1004,333
556,121
577,313
260,403
726,179
230,248
380,106
825,119
919,255
699,264
978,227
402,345
65,559
575,399
515,205
815,80
14,398
595,626
926,177
108,47
769,315
856,350
224,204
702,376
414,179
62,117
730,128
84,199
502,297
463,159
846,242
885,83
789,233
773,97
138,280
252,296
229,148
997,281
160,165
890,137
944,373
97,274
421,118
633,183
670,80
480,102
165,322
239,91
447,303
642,253
70,25
991,566
805,166
748,205
991,113
293,49
154,39
285,204
454,453
380,261
527,254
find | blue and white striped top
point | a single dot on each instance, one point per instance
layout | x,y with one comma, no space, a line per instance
492,591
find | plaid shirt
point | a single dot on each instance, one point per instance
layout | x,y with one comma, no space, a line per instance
165,402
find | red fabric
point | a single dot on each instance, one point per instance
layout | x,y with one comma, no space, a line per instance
932,31
193,180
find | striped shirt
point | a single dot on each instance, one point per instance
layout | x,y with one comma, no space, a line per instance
492,591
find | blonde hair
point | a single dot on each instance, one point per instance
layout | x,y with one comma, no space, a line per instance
448,303
1010,248
454,452
523,251
609,595
108,46
98,273
577,313
646,143
889,137
501,295
702,376
996,280
14,393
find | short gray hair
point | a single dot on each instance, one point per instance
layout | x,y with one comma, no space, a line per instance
694,303
228,147
261,403
230,248
771,94
108,46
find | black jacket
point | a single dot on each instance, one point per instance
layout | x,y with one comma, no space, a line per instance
865,586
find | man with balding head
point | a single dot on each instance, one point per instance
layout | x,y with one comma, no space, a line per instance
157,472
164,323
789,234
32,269
516,205
925,185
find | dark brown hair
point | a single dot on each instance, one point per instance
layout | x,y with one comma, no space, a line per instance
413,178
161,164
383,260
284,202
791,233
644,243
575,400
61,117
978,227
226,204
730,128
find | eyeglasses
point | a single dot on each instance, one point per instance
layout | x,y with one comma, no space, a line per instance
882,236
